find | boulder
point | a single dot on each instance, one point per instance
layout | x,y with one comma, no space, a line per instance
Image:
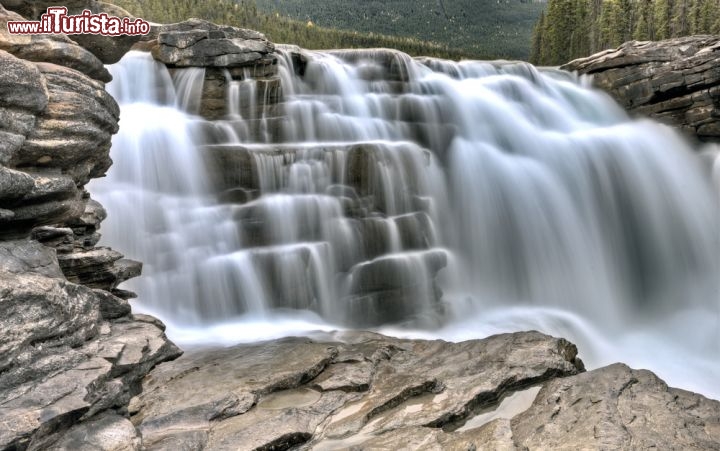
676,81
199,43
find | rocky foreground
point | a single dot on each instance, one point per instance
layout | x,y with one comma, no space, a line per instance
676,81
366,391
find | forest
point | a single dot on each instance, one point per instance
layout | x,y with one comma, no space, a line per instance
480,28
571,29
281,29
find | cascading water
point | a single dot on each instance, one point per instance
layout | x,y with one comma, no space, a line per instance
456,199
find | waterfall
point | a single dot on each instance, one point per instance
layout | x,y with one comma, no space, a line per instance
420,197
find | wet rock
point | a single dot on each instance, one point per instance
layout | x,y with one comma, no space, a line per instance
395,287
675,81
294,391
51,48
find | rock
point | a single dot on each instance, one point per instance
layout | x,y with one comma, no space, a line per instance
295,391
101,374
73,133
71,355
617,408
200,43
358,390
23,95
108,49
40,314
51,48
99,267
111,306
106,432
23,256
676,81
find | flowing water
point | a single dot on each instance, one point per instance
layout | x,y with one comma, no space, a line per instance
419,197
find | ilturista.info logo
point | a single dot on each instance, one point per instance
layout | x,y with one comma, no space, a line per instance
57,21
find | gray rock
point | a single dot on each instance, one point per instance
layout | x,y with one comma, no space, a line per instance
617,408
293,391
108,49
40,314
28,256
106,432
675,81
77,383
73,133
203,44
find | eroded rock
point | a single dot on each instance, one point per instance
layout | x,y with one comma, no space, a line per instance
296,391
200,43
676,81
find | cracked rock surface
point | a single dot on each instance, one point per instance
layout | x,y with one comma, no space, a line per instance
363,391
299,391
675,81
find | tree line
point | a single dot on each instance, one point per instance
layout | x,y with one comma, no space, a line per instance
279,28
571,29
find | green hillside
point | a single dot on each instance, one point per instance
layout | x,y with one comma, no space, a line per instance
483,28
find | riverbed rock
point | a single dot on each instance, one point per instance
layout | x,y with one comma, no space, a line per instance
617,408
676,81
363,391
299,391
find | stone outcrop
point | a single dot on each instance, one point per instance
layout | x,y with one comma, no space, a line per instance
365,391
676,81
72,354
199,43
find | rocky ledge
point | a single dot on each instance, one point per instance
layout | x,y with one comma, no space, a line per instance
676,81
71,353
365,391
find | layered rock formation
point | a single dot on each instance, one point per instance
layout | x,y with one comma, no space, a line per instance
675,81
71,354
366,391
226,53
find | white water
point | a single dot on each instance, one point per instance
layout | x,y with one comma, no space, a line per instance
552,209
